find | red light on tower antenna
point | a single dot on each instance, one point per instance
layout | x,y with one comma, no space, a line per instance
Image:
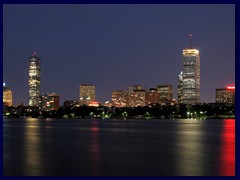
230,87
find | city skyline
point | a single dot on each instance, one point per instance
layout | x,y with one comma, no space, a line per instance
98,44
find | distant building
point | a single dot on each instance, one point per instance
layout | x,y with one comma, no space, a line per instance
225,95
94,104
49,101
87,94
34,80
134,87
180,84
137,98
165,93
7,96
120,98
152,96
191,75
70,104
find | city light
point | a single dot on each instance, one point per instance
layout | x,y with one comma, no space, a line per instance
230,87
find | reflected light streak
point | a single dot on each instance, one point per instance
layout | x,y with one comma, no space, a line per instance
189,149
33,163
95,169
227,160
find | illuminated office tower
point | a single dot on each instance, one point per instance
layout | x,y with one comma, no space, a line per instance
49,102
87,94
34,80
165,93
225,95
180,83
7,96
191,75
120,98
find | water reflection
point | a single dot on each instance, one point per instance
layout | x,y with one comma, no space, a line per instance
227,156
190,148
95,160
32,147
116,147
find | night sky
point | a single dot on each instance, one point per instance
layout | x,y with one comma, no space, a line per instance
114,46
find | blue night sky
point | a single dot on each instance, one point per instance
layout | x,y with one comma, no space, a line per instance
114,46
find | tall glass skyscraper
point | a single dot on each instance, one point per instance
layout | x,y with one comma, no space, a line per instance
34,80
191,76
180,84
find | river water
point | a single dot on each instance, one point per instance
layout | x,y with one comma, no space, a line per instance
134,147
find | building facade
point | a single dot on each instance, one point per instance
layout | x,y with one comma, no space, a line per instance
165,93
49,102
120,98
7,96
137,98
152,97
87,94
191,76
225,95
34,80
180,84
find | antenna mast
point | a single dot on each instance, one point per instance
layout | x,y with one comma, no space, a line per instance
190,39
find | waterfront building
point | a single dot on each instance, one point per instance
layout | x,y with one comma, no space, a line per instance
120,98
165,93
7,96
94,104
87,94
191,75
152,97
180,84
225,95
34,80
70,104
137,98
49,102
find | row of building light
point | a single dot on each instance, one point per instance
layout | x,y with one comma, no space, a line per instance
132,97
188,88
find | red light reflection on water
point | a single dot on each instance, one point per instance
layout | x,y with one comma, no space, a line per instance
94,150
227,158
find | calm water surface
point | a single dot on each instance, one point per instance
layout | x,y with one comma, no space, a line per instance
79,147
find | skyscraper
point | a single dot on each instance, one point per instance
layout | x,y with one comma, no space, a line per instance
180,83
191,75
87,94
7,95
34,80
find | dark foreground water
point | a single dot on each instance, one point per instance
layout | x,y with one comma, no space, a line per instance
77,147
